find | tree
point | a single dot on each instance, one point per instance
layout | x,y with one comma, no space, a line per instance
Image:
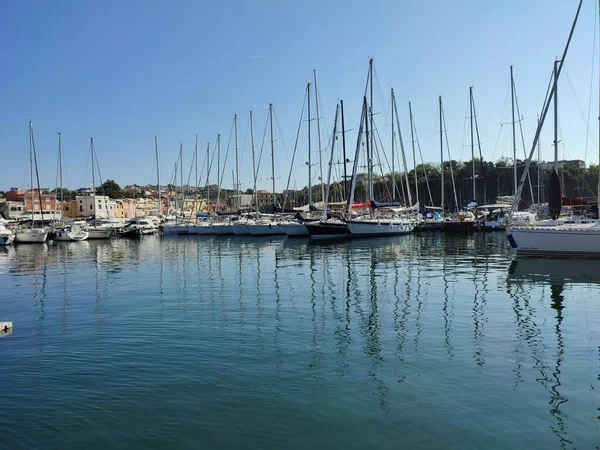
111,189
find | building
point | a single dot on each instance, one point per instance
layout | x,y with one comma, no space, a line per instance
576,164
33,199
120,210
13,210
244,199
93,205
69,209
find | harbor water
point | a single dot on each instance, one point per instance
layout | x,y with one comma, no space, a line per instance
419,341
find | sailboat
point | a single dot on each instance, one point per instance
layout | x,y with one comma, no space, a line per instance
7,237
96,230
390,224
179,227
32,234
268,226
74,232
554,237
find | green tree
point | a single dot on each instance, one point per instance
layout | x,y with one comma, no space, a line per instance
110,188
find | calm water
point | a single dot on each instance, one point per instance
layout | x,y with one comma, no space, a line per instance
412,342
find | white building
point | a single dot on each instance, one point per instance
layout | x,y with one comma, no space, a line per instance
94,205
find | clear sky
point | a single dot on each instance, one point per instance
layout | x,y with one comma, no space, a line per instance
125,71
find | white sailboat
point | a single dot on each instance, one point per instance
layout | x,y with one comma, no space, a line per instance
555,237
389,224
268,226
96,230
7,236
180,227
32,235
74,232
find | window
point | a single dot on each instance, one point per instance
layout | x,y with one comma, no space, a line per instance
47,199
48,207
91,206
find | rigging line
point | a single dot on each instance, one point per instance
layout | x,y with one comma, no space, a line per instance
501,120
422,162
280,133
379,160
587,134
585,121
287,186
378,156
262,145
465,132
523,140
226,154
449,158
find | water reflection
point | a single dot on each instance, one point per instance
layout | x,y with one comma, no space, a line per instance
380,324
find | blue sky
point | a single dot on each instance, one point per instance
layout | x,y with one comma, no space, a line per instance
125,71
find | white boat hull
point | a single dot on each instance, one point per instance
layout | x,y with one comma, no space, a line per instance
576,240
385,227
293,228
99,233
204,229
264,229
7,239
31,236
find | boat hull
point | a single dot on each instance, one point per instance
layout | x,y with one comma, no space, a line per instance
240,229
205,229
294,229
264,229
222,229
99,233
31,236
563,241
7,239
178,230
67,236
328,230
379,227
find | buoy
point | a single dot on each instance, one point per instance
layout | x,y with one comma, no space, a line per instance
5,327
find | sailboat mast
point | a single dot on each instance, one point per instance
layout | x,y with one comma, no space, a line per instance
237,167
539,149
370,147
556,116
412,138
272,154
181,174
393,153
309,151
158,175
441,153
93,171
472,145
344,146
333,138
207,176
514,139
402,152
31,170
60,177
196,175
218,172
319,136
253,161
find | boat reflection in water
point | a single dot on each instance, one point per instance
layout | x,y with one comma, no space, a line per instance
554,271
525,276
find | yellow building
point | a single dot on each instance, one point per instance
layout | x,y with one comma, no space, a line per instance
69,209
